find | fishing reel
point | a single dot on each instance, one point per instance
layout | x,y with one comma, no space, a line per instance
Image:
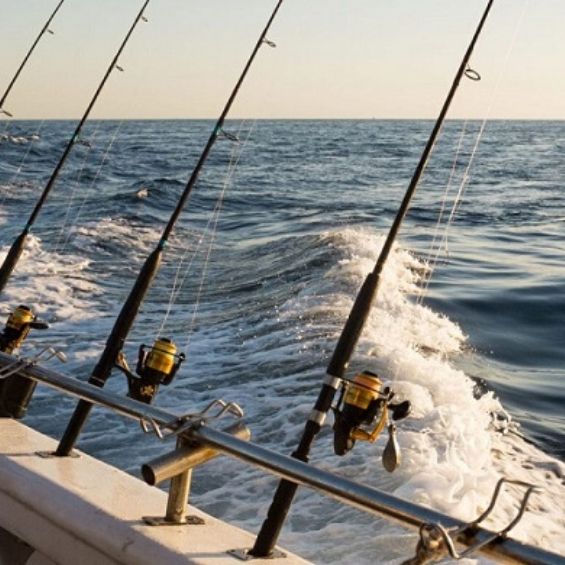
16,391
363,410
156,365
17,328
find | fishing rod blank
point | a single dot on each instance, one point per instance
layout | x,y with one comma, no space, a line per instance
149,269
16,250
44,30
270,530
16,393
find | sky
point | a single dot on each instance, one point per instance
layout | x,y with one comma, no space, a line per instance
334,58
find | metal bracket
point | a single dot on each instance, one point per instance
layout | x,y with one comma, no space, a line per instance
244,555
436,540
162,521
51,455
192,420
26,362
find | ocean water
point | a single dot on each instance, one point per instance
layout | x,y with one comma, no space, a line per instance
258,280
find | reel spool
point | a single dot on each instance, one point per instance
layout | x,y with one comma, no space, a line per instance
156,365
16,391
17,328
362,412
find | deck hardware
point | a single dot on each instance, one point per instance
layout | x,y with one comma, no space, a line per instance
51,454
27,362
177,466
177,501
191,420
244,555
436,541
16,390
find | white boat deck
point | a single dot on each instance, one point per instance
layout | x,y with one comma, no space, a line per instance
80,510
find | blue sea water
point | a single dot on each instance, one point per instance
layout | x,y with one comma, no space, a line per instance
262,288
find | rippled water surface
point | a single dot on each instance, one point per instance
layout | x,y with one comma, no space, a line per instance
259,277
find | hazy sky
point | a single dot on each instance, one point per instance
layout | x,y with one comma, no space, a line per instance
334,58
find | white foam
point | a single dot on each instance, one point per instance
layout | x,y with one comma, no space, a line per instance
452,454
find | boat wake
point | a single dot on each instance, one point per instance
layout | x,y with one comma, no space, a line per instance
270,357
455,446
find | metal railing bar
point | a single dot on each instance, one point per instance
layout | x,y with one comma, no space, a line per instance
359,496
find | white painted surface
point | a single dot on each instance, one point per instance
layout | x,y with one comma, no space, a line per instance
80,510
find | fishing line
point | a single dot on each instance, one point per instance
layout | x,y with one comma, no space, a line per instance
436,243
466,176
236,153
447,190
178,282
13,179
76,184
89,189
34,137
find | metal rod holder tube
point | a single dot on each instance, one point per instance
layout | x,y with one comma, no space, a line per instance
186,457
179,491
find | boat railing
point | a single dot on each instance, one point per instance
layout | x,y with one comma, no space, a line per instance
198,439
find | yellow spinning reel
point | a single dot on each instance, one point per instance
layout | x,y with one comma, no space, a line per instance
362,412
17,328
156,365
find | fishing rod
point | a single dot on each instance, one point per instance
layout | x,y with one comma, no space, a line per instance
16,392
282,500
198,428
16,250
148,271
44,29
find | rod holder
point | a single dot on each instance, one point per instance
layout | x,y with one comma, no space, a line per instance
186,457
177,466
